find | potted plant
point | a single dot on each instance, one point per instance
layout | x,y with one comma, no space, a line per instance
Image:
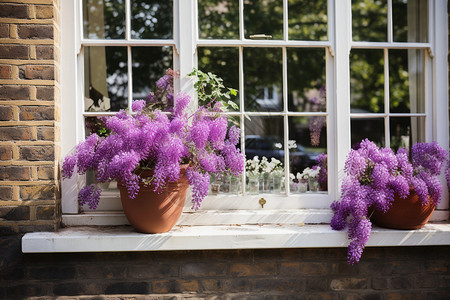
158,150
376,178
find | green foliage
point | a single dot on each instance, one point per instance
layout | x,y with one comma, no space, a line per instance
210,89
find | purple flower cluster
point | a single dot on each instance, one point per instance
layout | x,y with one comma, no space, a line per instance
322,162
151,139
374,176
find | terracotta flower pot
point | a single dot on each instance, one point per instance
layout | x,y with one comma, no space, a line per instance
406,213
152,212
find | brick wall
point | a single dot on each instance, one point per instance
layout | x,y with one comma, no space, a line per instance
383,273
29,115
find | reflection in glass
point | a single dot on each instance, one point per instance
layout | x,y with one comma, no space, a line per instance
222,61
306,79
263,79
372,129
308,20
406,131
151,19
367,80
106,79
410,20
263,17
104,19
303,150
149,64
369,20
406,81
218,19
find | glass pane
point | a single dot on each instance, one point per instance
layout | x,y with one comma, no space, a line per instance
106,78
263,144
367,80
308,20
218,19
307,140
224,62
263,17
149,64
406,131
410,20
372,129
406,81
104,19
306,79
151,19
263,79
369,20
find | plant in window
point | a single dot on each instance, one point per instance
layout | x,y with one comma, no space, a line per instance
322,164
161,142
376,178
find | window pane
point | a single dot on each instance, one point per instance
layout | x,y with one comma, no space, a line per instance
410,20
104,19
369,20
149,64
406,131
263,140
308,20
218,19
263,79
306,79
224,62
372,129
263,17
406,81
151,19
307,140
367,80
106,78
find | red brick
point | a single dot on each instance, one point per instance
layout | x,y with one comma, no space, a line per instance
175,286
14,173
14,213
44,12
298,268
5,152
35,31
37,153
45,52
37,192
6,193
46,133
18,11
37,72
15,133
204,270
4,30
14,51
14,92
6,113
257,269
46,173
5,72
45,93
37,113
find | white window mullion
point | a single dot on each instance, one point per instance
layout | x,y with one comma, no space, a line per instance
187,43
241,20
440,84
387,133
390,30
130,76
285,20
285,120
127,20
343,28
241,108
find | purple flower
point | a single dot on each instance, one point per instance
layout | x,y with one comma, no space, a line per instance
182,101
90,195
200,186
138,105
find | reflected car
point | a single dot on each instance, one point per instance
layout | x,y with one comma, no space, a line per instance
300,158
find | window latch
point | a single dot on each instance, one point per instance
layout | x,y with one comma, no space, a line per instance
261,36
262,201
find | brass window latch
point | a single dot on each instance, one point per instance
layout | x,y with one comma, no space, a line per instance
260,36
262,201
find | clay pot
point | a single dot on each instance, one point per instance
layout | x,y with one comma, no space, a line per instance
405,213
153,212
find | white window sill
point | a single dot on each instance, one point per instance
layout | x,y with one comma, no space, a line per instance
124,238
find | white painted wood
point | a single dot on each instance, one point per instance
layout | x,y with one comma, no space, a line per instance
88,239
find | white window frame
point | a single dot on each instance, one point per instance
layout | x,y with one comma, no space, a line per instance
185,42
